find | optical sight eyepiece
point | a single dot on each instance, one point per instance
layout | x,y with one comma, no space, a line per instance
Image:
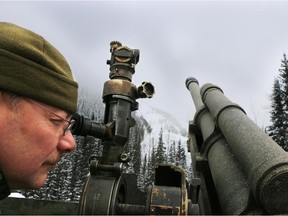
86,127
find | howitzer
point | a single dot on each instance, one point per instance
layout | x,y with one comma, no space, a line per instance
108,190
238,169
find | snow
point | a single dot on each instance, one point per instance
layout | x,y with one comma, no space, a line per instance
157,119
16,195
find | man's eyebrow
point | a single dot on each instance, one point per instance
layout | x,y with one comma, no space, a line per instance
51,112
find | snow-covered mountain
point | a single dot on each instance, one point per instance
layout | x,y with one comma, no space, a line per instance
153,120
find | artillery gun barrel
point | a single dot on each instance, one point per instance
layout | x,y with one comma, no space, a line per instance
264,162
226,173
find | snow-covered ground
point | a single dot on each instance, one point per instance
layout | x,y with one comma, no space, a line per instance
16,195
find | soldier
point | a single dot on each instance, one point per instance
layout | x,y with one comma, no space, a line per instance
37,96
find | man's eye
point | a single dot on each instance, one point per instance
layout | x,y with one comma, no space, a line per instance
56,121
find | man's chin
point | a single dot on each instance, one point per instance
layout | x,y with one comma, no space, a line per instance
40,182
27,185
33,181
37,183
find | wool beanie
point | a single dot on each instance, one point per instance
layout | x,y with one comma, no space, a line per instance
31,67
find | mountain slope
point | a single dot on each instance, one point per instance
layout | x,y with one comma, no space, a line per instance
154,120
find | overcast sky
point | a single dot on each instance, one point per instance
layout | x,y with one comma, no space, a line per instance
237,45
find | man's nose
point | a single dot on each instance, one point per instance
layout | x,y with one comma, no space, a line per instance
67,143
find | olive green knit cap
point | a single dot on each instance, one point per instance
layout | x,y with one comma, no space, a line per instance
31,67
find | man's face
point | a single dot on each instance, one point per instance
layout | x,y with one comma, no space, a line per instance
31,143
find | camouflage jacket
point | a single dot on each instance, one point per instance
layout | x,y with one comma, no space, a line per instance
4,189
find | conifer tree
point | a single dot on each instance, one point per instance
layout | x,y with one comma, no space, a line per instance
137,149
171,154
279,107
160,152
151,164
277,129
133,147
181,156
284,83
284,80
142,175
189,173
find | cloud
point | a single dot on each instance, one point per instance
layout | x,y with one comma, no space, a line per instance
236,45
